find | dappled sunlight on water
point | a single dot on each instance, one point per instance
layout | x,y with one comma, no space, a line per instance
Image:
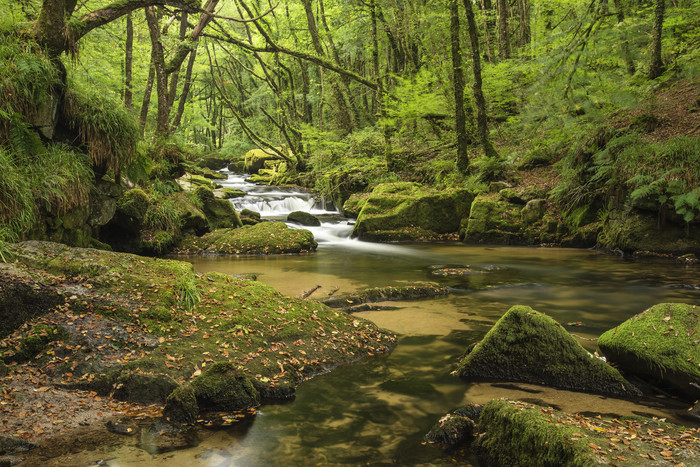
376,411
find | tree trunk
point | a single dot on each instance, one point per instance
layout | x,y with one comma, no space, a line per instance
458,81
481,122
503,33
487,28
161,77
128,63
145,104
656,67
185,92
625,46
524,14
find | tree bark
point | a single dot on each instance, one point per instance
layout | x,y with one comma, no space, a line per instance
128,63
656,67
487,28
625,46
458,82
57,35
481,121
503,32
145,104
524,14
161,77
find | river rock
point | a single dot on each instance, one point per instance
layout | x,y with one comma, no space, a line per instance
630,231
262,238
229,193
530,347
660,343
493,220
213,162
303,218
224,388
456,427
220,212
144,388
249,217
410,211
255,160
381,294
181,405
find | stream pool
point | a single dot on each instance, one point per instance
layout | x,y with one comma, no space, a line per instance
376,411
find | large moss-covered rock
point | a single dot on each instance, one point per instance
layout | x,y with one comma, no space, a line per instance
181,405
224,388
220,212
192,218
630,230
494,220
213,162
255,160
303,218
407,207
144,388
659,343
262,238
528,346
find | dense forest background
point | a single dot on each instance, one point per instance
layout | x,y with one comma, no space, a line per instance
594,101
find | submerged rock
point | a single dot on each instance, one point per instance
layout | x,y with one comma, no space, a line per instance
303,218
530,347
410,211
660,343
380,294
263,238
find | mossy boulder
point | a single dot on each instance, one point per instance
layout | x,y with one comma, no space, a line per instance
192,218
515,433
630,230
530,347
181,405
144,388
353,206
230,193
35,342
455,428
220,212
496,221
262,238
381,294
410,207
223,387
660,343
255,160
249,217
303,218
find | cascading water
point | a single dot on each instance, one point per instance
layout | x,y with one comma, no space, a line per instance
275,203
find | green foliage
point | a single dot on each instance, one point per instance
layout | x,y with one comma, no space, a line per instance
188,293
106,129
161,215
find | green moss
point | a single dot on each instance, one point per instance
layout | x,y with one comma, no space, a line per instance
661,343
528,346
228,193
303,218
134,203
255,160
404,206
181,405
224,387
520,434
262,238
144,388
199,181
353,206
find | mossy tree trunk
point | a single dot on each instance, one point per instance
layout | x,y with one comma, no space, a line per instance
479,100
625,45
128,63
503,32
161,77
458,82
656,67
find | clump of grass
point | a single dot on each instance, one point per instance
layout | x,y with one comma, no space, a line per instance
189,295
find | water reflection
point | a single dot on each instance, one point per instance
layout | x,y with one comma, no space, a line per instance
375,412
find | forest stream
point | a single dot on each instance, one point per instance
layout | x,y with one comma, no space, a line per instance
376,411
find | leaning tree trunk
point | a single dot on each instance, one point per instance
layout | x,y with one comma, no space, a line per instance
656,67
458,81
481,122
161,77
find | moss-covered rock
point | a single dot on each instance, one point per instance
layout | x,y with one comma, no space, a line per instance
213,162
381,294
410,207
181,405
35,342
455,428
629,231
262,238
192,218
144,388
303,218
493,220
255,160
229,193
520,434
191,182
353,206
223,387
220,212
660,343
528,346
249,217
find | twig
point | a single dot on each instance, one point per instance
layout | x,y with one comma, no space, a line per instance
309,292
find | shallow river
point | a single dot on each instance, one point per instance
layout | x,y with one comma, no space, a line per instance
376,412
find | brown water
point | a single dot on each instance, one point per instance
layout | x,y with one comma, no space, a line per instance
376,412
